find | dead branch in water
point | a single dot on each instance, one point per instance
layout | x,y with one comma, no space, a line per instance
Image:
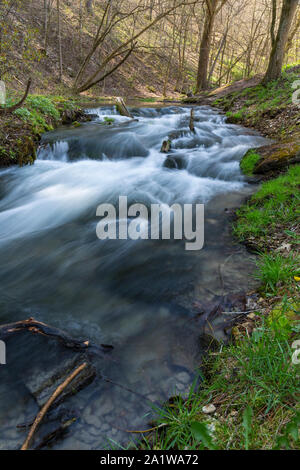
46,407
191,124
122,108
37,327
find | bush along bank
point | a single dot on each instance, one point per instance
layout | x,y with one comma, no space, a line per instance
20,131
249,395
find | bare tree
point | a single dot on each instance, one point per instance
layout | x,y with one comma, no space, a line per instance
122,51
212,9
59,41
279,41
13,108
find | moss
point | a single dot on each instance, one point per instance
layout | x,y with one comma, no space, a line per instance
251,105
276,157
24,126
275,203
249,161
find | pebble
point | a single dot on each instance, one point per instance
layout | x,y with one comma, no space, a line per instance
208,409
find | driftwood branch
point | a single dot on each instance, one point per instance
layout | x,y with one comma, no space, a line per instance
37,327
191,124
13,108
122,108
46,407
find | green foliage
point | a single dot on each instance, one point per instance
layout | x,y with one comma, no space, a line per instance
40,112
235,117
34,118
247,421
44,105
261,99
109,120
275,268
256,380
4,152
277,201
202,435
290,433
248,162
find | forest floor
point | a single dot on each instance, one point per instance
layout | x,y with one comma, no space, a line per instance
249,396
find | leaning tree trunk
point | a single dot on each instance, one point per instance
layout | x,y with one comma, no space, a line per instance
59,41
202,81
279,44
13,108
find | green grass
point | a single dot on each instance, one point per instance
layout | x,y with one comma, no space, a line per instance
275,270
255,388
276,202
261,99
253,382
248,162
40,112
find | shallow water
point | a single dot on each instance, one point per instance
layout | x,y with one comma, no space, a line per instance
139,295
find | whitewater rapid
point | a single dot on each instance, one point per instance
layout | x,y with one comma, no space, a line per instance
141,296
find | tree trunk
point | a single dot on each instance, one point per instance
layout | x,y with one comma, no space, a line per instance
202,81
279,44
59,41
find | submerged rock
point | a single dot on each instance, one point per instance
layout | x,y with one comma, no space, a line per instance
42,383
176,162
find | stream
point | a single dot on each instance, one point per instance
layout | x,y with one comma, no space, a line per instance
141,296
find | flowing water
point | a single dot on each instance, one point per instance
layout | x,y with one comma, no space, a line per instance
140,295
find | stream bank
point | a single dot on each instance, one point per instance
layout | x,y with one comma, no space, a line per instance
20,131
185,412
249,398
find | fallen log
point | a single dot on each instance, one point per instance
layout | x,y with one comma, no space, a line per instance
122,108
51,400
36,327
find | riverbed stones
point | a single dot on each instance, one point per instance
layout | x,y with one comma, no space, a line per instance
209,409
175,162
42,383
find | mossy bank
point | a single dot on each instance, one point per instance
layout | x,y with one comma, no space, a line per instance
273,111
20,131
249,395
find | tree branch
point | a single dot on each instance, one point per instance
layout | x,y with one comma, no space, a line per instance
11,109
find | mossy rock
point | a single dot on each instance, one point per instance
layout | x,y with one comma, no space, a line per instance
249,161
69,116
277,156
26,151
